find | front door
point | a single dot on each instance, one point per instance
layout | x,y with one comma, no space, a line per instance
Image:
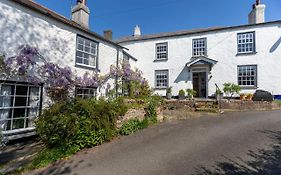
200,84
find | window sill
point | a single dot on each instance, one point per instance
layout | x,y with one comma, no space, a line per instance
162,60
164,88
249,87
245,54
86,67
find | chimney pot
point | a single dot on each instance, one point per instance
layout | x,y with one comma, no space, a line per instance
108,34
137,31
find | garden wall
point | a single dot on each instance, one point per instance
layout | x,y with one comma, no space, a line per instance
249,105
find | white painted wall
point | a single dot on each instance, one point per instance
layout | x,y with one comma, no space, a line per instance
56,41
221,46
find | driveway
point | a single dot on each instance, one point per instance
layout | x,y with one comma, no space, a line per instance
231,143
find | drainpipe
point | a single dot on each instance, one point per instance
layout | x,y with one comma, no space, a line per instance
117,69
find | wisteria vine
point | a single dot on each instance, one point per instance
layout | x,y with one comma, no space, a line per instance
33,68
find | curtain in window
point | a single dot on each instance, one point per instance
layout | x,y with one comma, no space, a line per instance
5,101
34,103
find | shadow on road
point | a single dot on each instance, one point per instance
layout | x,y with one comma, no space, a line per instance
263,162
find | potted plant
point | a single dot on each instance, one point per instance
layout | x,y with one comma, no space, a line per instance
191,93
181,94
242,96
249,96
169,93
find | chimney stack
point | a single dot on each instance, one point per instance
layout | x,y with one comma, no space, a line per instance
108,34
81,13
257,15
137,31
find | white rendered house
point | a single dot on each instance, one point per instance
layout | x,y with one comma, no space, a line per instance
248,55
67,42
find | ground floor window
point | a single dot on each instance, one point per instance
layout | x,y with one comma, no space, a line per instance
86,92
247,75
19,105
161,79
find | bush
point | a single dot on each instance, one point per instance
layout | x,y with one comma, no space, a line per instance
151,110
191,93
79,123
132,126
230,89
181,94
261,95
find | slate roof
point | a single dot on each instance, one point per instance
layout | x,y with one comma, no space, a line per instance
187,32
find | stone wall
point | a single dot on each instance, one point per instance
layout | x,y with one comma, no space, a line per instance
249,105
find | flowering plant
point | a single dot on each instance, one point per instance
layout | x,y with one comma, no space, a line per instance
32,67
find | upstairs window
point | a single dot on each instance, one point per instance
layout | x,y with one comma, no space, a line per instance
161,79
199,47
86,92
161,51
86,52
246,42
247,76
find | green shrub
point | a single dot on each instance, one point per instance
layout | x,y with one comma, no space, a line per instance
79,123
151,110
230,89
132,126
191,93
181,93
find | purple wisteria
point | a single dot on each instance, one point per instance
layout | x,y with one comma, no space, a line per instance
60,80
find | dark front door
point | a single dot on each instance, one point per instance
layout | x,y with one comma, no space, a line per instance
200,84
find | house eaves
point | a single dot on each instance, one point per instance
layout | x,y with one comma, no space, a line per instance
49,13
189,32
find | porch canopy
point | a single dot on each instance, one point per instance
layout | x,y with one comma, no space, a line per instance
201,61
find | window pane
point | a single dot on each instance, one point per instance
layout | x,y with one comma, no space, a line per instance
15,105
245,42
247,75
86,49
161,51
199,47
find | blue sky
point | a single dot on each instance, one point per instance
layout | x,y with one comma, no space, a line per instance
156,16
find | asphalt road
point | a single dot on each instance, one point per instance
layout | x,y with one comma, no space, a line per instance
232,143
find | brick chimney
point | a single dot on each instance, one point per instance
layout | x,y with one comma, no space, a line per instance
257,15
108,34
81,13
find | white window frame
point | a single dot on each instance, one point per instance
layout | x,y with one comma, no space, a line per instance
247,76
199,47
87,92
86,56
246,43
161,51
33,102
163,82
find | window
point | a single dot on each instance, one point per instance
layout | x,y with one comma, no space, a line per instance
19,105
161,51
247,76
86,92
161,79
199,47
86,52
246,42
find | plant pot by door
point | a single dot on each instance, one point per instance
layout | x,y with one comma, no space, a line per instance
169,96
